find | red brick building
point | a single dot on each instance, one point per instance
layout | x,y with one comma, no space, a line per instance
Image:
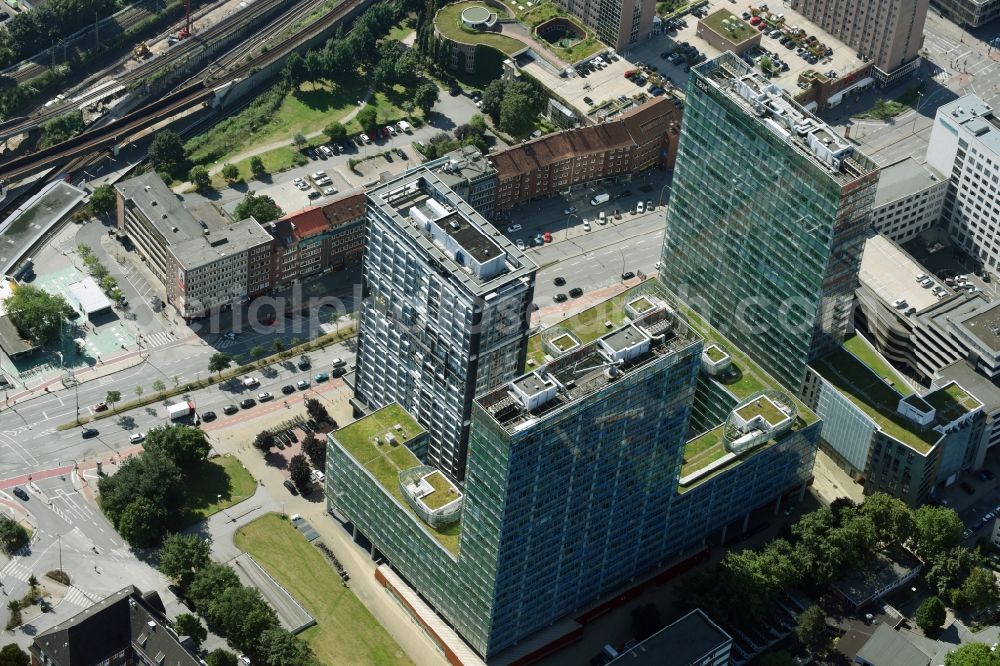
318,238
625,145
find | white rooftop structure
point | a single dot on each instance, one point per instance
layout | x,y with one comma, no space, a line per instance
892,274
90,297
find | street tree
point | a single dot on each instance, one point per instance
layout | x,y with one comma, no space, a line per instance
12,655
892,519
277,346
315,449
242,615
300,473
103,199
425,97
946,571
938,529
972,654
257,167
151,475
317,412
219,362
930,615
264,442
260,207
299,140
159,386
37,314
280,647
220,657
113,398
185,445
979,591
167,155
198,176
368,118
493,95
142,523
189,625
182,555
336,132
13,535
256,351
209,583
810,629
230,172
138,391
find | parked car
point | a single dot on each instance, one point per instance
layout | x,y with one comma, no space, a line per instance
265,396
100,407
89,432
628,275
20,493
321,377
576,292
290,487
229,410
136,437
302,384
247,403
547,237
559,281
569,211
559,298
208,416
287,388
520,244
514,228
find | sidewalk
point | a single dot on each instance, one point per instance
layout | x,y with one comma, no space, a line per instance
102,369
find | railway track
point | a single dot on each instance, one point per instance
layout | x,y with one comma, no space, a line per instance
73,153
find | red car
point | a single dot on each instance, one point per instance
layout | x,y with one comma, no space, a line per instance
547,237
100,407
755,20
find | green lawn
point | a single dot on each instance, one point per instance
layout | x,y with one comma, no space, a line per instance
223,476
702,451
448,21
402,30
860,348
345,631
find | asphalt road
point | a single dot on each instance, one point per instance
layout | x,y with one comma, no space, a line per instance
29,441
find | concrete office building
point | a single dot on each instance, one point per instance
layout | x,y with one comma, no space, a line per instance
204,263
445,312
909,199
965,146
919,323
516,550
618,23
887,436
890,33
970,13
768,216
986,391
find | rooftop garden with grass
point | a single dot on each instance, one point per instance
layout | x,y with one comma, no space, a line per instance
762,407
864,352
365,441
443,494
740,32
880,401
448,22
703,450
714,353
952,402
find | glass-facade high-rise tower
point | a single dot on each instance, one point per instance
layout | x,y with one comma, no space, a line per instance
767,219
445,311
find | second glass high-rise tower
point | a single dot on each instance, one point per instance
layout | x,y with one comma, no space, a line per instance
767,221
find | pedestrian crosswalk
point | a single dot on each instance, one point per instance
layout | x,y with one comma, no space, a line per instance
77,597
157,339
15,569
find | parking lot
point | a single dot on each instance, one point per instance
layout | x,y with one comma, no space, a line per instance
843,60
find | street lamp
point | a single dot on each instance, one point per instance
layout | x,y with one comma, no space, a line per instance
663,199
218,497
567,223
916,112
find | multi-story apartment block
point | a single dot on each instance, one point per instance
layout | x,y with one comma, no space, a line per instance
919,323
768,215
204,263
890,33
446,309
470,175
618,23
887,436
318,238
635,141
970,13
965,146
539,531
909,199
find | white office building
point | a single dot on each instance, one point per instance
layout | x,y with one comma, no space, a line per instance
909,199
965,147
446,309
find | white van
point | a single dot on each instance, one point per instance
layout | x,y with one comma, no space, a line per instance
603,197
318,476
602,218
